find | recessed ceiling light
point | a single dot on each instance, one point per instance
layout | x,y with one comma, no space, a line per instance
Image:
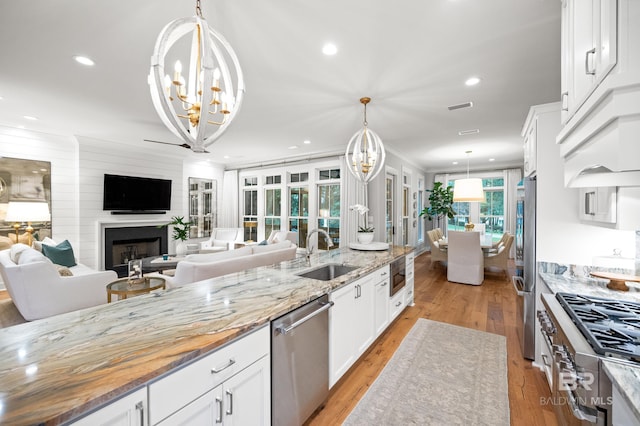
492,159
293,147
468,132
307,142
472,81
226,157
84,60
29,117
329,49
454,163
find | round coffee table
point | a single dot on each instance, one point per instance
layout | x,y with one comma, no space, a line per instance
123,289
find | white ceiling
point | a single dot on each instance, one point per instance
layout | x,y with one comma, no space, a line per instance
411,57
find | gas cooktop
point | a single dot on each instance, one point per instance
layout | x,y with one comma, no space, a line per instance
612,327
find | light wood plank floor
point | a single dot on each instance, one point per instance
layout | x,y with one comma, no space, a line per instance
489,307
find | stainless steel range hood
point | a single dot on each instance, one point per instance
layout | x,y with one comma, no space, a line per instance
599,176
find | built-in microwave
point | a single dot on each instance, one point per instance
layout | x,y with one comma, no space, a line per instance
397,275
598,204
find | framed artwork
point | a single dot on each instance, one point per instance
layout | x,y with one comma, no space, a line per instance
24,181
202,207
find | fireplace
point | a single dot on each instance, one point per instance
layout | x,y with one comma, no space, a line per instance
128,243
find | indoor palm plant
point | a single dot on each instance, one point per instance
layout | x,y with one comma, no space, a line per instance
440,202
180,233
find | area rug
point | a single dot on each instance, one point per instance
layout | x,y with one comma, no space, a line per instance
440,375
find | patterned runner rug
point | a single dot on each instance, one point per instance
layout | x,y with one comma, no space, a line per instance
441,374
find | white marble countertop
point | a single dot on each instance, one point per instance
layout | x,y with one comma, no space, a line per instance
55,369
626,377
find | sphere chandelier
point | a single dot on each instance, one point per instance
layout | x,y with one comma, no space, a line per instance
197,109
365,152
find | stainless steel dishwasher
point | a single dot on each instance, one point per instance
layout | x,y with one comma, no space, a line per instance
300,362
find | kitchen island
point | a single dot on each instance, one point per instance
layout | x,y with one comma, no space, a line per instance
56,369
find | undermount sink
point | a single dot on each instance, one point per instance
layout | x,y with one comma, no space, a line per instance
328,272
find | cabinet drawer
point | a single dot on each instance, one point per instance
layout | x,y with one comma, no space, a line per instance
179,388
396,304
381,274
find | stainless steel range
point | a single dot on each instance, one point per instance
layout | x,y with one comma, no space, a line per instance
580,330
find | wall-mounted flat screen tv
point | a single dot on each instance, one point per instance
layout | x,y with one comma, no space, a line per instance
136,194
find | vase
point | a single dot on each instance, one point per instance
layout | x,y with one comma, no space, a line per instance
365,237
181,248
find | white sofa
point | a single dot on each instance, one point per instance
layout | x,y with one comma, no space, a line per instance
222,239
39,291
198,267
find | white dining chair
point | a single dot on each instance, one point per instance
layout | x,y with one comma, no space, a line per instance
465,259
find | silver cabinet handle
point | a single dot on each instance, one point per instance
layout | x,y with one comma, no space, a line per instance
383,284
230,395
323,307
398,304
545,359
383,274
140,409
564,98
219,404
217,370
586,62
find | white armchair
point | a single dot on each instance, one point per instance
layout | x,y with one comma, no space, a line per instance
280,236
222,239
465,259
39,291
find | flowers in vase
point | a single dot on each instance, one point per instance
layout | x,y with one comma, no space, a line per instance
362,210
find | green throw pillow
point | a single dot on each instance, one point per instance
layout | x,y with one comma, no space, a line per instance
62,254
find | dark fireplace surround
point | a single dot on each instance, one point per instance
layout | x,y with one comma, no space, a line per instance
132,242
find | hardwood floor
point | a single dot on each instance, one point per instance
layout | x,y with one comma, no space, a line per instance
489,307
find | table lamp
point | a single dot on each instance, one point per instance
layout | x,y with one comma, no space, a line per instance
24,211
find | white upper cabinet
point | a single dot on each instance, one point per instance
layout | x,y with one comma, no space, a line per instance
600,79
588,45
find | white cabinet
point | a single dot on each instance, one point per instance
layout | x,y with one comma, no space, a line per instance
219,385
241,400
381,302
588,48
130,410
397,304
351,324
540,129
530,149
409,279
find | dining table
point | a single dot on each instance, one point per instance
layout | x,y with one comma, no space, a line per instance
486,242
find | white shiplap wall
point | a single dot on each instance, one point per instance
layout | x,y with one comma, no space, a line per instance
98,157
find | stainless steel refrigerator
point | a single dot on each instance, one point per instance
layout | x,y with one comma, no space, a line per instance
525,280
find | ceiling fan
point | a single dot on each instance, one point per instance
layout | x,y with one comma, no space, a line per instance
184,145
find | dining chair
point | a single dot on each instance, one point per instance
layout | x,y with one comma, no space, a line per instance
500,258
465,260
437,254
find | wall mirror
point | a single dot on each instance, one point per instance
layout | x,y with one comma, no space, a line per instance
25,185
202,207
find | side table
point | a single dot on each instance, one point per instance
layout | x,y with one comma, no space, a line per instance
123,289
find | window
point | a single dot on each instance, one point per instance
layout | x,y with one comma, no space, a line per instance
406,195
490,212
329,174
329,214
272,210
420,207
270,180
299,213
298,177
250,214
251,181
389,213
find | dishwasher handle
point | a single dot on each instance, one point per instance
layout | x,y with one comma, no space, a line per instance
323,307
518,284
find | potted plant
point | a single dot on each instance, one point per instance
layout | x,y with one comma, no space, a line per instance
440,202
180,233
365,233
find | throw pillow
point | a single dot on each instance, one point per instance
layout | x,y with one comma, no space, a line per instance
263,243
5,242
16,251
48,241
62,254
63,271
31,256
